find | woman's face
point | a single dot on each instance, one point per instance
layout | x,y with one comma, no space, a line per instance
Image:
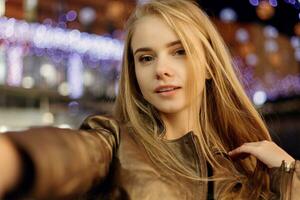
161,65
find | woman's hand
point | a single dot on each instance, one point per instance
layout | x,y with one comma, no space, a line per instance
9,165
265,151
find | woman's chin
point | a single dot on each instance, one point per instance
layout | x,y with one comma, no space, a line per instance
169,110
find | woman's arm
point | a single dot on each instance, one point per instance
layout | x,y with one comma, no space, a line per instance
66,162
288,180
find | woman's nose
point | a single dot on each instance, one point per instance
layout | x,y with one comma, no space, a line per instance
163,69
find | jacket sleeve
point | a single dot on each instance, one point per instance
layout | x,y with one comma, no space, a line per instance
229,183
286,184
66,162
232,184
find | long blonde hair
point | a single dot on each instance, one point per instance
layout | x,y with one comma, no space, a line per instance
226,118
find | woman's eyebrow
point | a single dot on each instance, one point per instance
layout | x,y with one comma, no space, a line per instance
170,44
173,43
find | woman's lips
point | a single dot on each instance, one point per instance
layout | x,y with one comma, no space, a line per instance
163,88
167,91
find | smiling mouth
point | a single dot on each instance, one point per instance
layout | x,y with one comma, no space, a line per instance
162,90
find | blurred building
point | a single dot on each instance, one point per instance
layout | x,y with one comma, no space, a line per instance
59,60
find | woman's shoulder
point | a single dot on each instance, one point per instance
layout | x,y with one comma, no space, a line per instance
105,122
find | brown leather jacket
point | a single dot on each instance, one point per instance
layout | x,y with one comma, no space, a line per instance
99,162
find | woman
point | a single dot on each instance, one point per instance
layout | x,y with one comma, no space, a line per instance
179,111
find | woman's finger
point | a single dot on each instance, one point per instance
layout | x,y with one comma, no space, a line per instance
247,148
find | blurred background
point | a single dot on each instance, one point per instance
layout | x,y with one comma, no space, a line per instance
60,59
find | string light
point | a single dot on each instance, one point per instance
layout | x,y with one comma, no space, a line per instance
2,7
259,98
3,129
271,46
28,82
290,1
49,72
270,32
280,87
295,41
273,3
48,118
242,35
254,2
251,59
64,126
15,66
264,10
142,1
43,36
75,78
2,65
297,54
71,15
228,15
63,89
297,29
87,15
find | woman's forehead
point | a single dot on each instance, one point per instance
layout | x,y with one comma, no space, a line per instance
152,31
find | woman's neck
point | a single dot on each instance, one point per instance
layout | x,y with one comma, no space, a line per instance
177,124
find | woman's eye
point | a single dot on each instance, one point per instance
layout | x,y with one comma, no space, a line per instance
180,52
145,59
